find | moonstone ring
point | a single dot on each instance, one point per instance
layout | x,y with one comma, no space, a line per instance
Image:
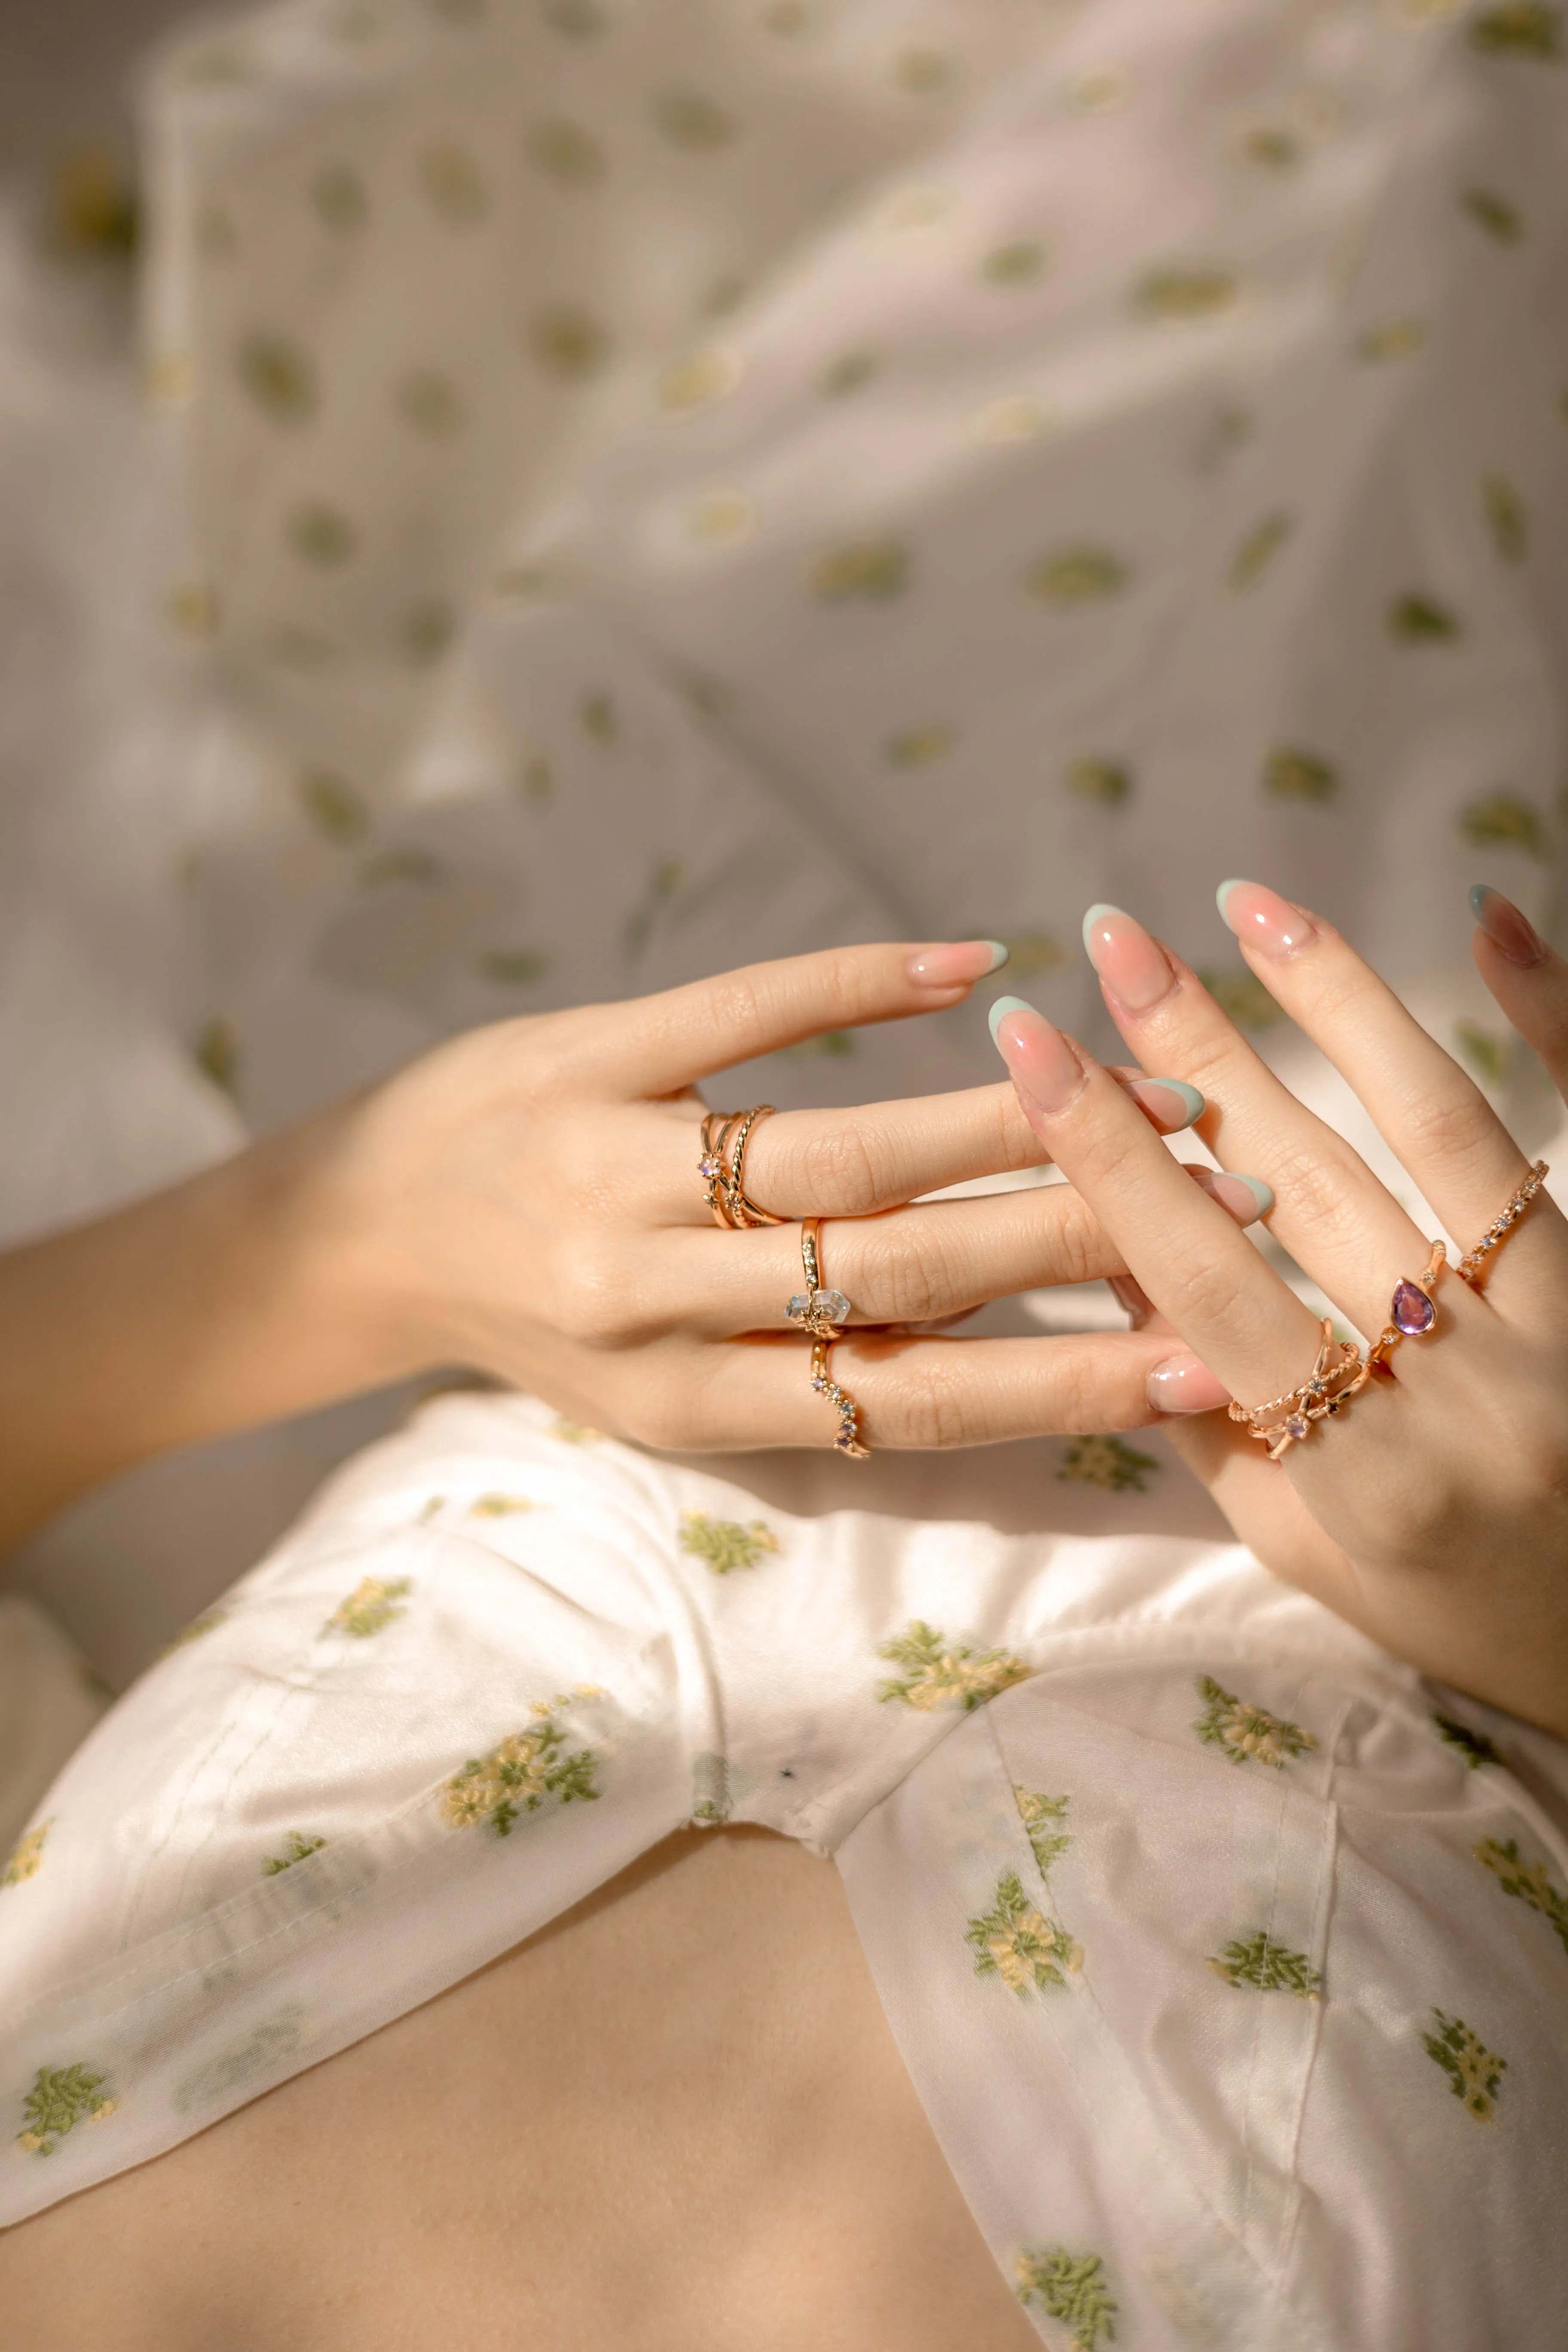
821,1312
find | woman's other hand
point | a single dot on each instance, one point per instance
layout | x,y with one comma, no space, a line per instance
1432,1510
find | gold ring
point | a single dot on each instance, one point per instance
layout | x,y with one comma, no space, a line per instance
849,1438
815,1309
1411,1316
725,1135
1474,1263
1285,1420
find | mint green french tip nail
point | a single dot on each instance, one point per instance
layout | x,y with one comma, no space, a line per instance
1223,893
1000,1010
1479,893
999,954
1192,1101
1094,916
1260,1192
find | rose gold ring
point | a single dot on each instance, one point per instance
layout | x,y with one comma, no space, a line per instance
725,1135
849,1438
1285,1421
1475,1262
816,1310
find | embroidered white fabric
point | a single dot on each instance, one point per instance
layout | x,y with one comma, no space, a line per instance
1229,1975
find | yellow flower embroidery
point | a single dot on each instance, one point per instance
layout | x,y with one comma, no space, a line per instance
575,1433
1078,575
1072,2288
499,1507
1108,1463
1020,1944
1526,1880
372,1604
725,1544
1245,1732
1474,2073
61,2097
521,1773
700,376
943,1673
26,1856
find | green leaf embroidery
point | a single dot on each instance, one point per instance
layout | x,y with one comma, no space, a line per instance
1013,265
321,534
299,1845
1503,821
575,1433
1260,548
1525,28
26,1857
725,1544
1072,2288
1292,775
1489,1054
566,154
1186,293
1029,952
1078,575
1020,1944
1243,998
709,1790
430,404
333,808
1494,213
1474,1747
338,195
1527,1880
568,343
497,1506
61,2097
1397,339
372,1604
1421,620
848,372
1248,1734
518,1776
940,1673
698,124
917,747
1268,1967
512,967
1474,2073
278,377
873,570
262,2052
1108,1463
452,179
216,1052
205,1623
922,72
1038,1812
1104,781
1506,515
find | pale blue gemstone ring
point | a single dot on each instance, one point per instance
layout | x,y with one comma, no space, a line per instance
820,1311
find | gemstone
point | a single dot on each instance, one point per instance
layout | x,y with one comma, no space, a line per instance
1295,1426
826,1305
1412,1311
708,1167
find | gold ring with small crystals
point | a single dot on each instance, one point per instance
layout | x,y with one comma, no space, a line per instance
815,1309
849,1438
725,1135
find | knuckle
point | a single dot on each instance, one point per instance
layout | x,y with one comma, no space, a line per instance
902,1284
839,1166
595,1304
1080,1251
1449,1123
932,1408
1321,1187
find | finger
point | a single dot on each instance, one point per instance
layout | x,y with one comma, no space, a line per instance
656,1045
916,1264
1194,1264
930,1393
1331,1211
853,1163
1426,1108
1527,979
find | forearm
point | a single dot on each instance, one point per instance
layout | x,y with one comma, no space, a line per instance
232,1300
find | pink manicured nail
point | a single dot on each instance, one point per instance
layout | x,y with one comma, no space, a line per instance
1246,1198
1512,934
1133,967
1182,1384
1261,919
1044,1071
952,966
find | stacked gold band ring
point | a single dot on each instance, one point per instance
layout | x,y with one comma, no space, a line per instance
1336,1377
722,1167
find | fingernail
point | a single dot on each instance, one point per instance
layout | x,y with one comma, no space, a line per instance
1261,919
1128,961
1043,1066
1247,1198
1131,1298
1170,1103
950,966
1512,933
1182,1384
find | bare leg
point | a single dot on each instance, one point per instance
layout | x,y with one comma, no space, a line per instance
675,2121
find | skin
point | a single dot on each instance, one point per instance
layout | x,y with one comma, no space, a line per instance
701,2042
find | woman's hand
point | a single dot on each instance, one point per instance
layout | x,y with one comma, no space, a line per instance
1432,1511
525,1201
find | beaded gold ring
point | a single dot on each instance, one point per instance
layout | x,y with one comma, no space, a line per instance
849,1438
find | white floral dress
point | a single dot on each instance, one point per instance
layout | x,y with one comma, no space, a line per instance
1230,1961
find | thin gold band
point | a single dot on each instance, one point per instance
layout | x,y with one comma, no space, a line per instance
849,1438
